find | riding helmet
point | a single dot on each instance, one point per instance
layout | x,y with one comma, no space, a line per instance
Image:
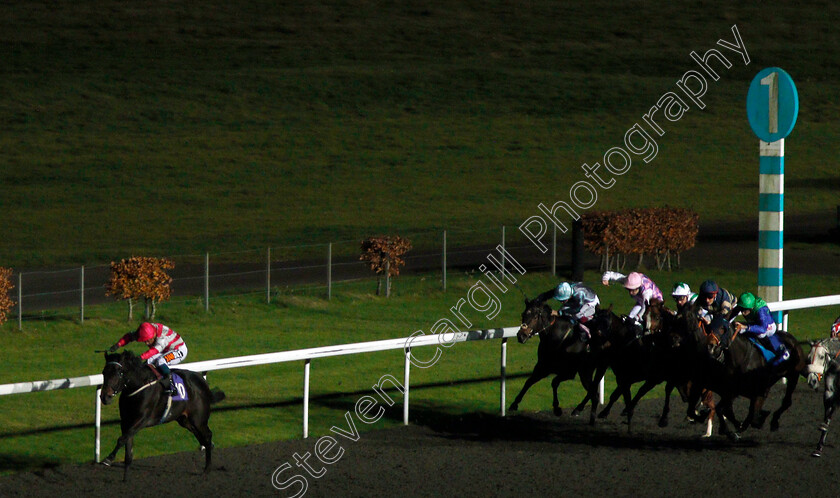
634,281
564,291
145,332
709,287
746,301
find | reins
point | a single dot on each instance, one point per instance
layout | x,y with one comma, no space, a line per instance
122,368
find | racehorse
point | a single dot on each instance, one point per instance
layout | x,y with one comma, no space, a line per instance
823,363
650,359
742,370
559,353
143,403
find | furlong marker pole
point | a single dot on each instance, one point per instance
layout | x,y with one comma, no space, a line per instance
772,108
771,222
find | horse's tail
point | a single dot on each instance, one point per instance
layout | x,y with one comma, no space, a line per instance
216,395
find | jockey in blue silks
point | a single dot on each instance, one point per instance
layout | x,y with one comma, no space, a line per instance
579,304
760,324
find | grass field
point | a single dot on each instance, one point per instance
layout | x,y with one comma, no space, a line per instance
264,403
173,129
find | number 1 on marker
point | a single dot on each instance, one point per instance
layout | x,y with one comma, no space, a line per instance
772,82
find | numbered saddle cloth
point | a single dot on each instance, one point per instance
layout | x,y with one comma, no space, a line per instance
179,389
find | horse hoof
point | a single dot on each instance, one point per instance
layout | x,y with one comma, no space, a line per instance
513,407
816,454
663,422
734,437
107,462
576,413
558,411
774,425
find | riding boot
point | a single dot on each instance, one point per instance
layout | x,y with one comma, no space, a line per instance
166,380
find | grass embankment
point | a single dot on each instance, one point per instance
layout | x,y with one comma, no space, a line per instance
174,129
264,403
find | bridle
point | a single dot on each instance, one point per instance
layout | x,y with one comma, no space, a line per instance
121,382
827,360
526,327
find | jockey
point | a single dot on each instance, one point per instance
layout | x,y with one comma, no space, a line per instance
715,301
165,348
760,324
579,304
682,296
641,288
835,329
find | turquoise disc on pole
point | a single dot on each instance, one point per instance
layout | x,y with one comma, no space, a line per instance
772,104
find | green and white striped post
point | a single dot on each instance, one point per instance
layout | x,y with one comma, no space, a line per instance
771,215
772,108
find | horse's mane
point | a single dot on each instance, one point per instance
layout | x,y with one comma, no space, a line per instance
130,361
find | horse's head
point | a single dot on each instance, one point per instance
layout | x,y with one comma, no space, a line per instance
657,317
113,377
719,329
535,319
819,359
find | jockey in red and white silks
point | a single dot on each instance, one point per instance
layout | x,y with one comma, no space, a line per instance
166,347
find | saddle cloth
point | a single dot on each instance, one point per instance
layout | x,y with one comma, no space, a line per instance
768,355
179,389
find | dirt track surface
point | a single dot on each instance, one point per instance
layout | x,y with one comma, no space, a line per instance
486,455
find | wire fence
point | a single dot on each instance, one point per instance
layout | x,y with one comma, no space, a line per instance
318,267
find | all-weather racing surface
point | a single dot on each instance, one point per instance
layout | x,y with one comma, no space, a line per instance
524,454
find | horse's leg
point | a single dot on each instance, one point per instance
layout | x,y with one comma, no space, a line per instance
666,408
646,388
694,392
709,402
129,455
754,404
128,432
537,375
586,380
555,404
613,398
724,412
787,401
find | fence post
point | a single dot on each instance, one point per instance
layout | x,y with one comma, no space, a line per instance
503,252
98,424
329,271
503,375
443,263
206,282
20,301
577,250
306,398
405,382
82,292
268,276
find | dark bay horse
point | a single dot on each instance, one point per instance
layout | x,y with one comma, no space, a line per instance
143,403
559,353
823,363
651,359
741,370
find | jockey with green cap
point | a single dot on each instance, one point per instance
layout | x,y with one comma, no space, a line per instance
760,324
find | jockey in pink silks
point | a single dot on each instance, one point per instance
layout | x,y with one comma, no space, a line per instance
641,289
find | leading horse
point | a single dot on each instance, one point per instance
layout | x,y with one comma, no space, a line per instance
560,353
144,404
